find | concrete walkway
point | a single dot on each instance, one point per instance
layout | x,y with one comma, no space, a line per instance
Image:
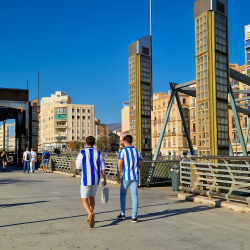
43,211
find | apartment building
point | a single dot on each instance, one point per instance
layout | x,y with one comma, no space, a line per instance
7,127
125,117
174,141
12,144
101,129
61,121
233,135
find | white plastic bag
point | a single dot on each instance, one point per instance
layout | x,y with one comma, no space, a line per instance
105,195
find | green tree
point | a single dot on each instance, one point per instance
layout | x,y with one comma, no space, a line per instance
122,146
101,143
79,145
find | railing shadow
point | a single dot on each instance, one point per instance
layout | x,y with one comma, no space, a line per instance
161,215
20,204
73,216
11,181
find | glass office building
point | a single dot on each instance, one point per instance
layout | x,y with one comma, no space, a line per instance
212,76
140,94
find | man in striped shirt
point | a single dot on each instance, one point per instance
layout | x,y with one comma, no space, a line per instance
130,161
92,164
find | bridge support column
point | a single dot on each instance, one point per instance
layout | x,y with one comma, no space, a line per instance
184,123
237,122
247,132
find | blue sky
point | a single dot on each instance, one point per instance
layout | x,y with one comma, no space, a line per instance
81,47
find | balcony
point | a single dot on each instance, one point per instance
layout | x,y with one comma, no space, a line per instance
173,133
236,140
245,125
193,130
60,117
168,133
60,126
193,118
59,133
193,105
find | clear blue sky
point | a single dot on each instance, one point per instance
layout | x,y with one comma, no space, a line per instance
81,47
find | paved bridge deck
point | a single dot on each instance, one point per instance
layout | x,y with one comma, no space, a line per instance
43,211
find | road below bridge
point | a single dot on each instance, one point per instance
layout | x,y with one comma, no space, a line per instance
44,211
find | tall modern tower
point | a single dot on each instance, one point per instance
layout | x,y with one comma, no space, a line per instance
140,92
212,76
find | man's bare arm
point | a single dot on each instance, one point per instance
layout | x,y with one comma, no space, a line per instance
104,177
140,165
119,169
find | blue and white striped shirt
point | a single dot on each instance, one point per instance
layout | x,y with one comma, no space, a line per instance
91,162
131,157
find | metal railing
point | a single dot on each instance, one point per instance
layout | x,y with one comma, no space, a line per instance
161,172
66,163
227,177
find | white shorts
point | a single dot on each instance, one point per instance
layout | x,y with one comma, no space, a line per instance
87,191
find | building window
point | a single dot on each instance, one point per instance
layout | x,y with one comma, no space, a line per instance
163,103
184,100
60,110
73,110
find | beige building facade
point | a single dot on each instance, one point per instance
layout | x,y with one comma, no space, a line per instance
7,126
125,117
12,144
174,141
61,121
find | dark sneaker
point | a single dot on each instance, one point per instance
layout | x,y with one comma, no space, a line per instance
121,217
134,220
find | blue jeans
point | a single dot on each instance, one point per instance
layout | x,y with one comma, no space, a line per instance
26,164
134,194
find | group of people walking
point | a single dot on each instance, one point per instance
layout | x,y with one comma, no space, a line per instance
30,159
92,164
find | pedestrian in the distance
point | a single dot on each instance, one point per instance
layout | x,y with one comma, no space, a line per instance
92,164
4,158
130,161
33,160
26,161
45,159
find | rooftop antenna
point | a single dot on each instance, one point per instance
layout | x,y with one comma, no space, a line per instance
150,17
38,88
